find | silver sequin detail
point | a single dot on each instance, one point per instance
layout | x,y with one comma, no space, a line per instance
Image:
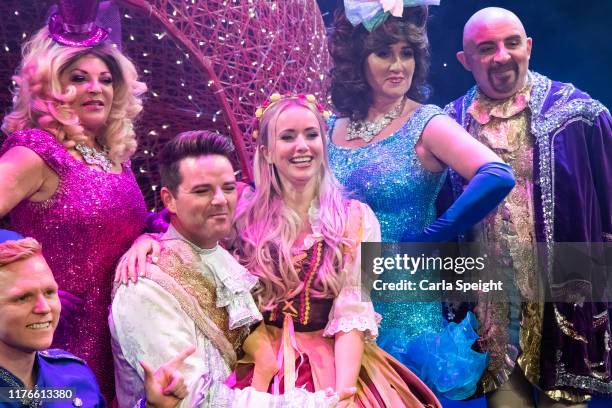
545,128
95,157
565,379
366,130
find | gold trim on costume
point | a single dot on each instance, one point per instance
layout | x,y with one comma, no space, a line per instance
182,278
562,395
567,327
530,338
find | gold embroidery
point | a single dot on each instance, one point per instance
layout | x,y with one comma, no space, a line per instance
504,127
560,395
179,262
567,327
531,336
484,109
493,318
318,249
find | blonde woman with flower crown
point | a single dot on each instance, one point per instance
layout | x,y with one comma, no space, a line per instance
65,175
301,237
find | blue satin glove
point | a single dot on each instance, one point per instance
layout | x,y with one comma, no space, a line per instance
489,186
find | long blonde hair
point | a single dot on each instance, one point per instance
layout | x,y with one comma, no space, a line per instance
267,228
39,100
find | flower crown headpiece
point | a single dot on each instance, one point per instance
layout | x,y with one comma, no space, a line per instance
277,97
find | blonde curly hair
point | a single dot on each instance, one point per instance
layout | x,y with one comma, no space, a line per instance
39,100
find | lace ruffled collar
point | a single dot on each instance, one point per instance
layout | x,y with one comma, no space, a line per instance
233,282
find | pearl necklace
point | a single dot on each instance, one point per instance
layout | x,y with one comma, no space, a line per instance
95,157
363,129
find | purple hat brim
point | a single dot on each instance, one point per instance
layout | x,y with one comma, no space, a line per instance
7,235
95,36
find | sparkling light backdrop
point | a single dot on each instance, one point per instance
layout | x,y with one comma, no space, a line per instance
208,65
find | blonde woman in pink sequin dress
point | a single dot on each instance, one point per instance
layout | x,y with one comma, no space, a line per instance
65,176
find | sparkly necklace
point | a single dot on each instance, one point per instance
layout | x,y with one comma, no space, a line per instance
366,130
95,157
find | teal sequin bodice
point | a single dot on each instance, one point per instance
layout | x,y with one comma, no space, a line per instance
388,176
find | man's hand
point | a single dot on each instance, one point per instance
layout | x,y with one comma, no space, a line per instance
165,388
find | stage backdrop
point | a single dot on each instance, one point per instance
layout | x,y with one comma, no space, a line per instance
207,63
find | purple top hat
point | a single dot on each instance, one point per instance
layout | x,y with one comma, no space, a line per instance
74,24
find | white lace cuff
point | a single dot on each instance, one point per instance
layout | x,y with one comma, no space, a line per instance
345,324
219,395
297,398
349,312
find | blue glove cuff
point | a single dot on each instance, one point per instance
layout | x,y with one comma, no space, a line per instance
485,191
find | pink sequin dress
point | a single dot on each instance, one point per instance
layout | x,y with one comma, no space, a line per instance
84,228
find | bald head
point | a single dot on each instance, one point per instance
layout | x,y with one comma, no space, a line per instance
496,50
487,17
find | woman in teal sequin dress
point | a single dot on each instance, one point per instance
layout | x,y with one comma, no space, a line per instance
398,165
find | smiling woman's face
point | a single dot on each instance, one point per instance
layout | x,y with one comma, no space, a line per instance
94,91
297,149
389,71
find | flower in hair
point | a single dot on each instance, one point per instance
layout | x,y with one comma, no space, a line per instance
395,7
277,97
372,13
